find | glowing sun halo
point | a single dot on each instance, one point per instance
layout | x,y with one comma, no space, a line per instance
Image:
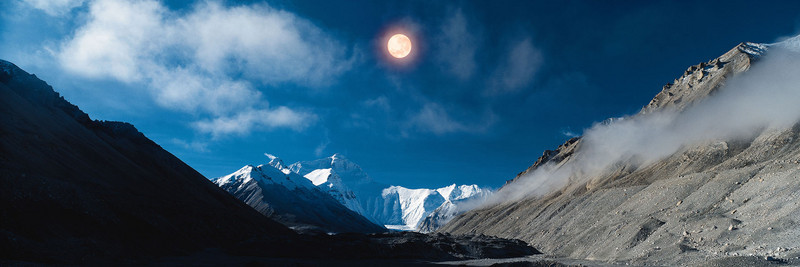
399,46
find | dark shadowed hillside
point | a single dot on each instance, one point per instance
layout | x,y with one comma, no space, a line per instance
76,189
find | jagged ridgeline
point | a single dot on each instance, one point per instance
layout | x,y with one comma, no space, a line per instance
708,170
335,195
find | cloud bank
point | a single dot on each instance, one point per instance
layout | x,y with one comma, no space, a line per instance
208,60
761,99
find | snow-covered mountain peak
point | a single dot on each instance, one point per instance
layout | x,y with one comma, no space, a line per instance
340,167
754,49
243,175
395,207
266,174
455,192
465,191
277,163
336,156
414,204
446,191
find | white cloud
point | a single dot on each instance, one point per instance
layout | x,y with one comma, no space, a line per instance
457,44
189,91
518,69
114,43
205,60
248,120
269,45
55,7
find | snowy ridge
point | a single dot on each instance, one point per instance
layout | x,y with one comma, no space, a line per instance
338,177
755,49
395,207
453,192
414,204
266,174
460,199
277,163
274,190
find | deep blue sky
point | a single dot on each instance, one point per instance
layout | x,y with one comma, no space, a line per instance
489,85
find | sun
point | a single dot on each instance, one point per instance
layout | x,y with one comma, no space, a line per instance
399,46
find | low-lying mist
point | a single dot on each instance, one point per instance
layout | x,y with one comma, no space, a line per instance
767,97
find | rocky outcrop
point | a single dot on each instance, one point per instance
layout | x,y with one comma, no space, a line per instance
702,80
714,200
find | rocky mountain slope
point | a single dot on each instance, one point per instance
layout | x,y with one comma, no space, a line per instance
291,199
78,190
729,194
395,207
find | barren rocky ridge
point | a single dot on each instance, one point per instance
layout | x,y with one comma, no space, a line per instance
718,200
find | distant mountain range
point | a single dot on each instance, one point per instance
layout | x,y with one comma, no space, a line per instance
314,193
